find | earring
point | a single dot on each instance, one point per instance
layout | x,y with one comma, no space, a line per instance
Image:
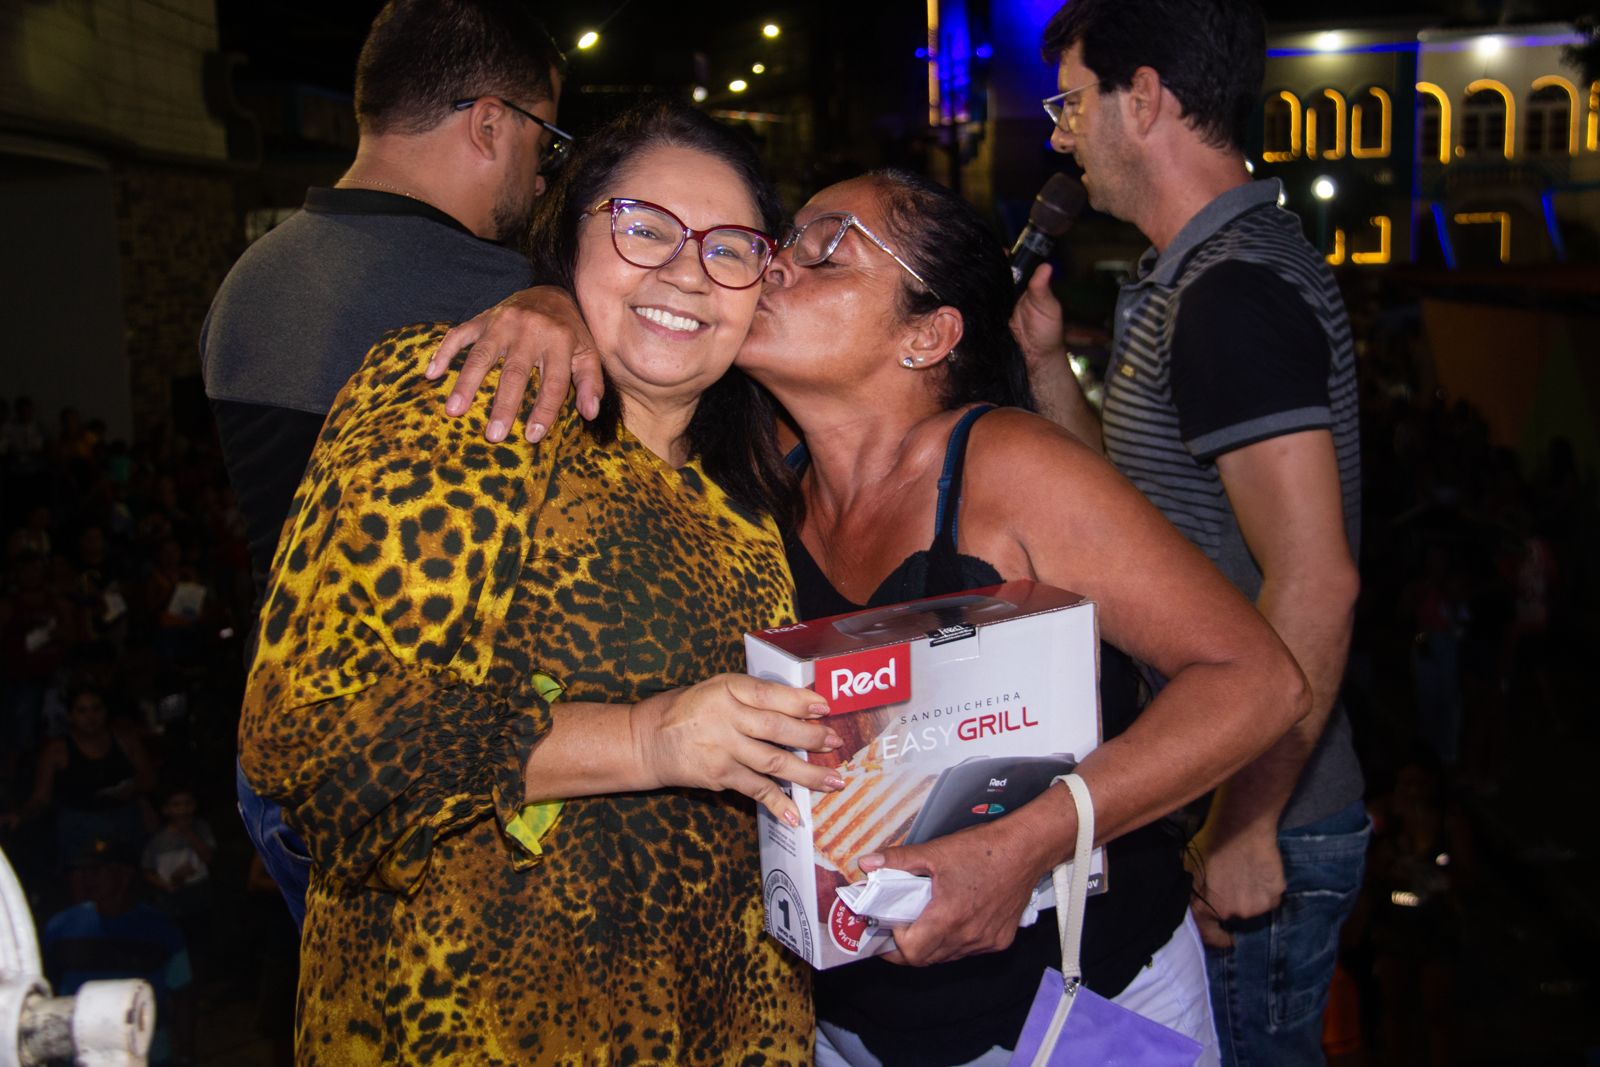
908,362
950,356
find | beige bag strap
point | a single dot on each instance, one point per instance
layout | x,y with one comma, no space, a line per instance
1072,891
1072,882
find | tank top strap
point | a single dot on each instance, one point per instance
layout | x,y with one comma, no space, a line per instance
955,459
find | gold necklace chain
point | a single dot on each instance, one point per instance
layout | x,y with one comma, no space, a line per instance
382,185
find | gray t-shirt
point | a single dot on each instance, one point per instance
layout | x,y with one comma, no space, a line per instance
1234,334
298,312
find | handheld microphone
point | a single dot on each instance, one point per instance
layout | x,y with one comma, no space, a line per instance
1054,210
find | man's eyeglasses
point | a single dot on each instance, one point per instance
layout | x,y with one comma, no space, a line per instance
648,235
551,156
818,239
1063,106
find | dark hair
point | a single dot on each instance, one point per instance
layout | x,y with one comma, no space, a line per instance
176,788
942,236
86,685
732,427
1210,53
421,56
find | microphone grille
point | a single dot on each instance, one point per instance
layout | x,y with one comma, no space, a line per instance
1057,205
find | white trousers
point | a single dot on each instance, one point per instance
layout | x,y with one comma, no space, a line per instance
1171,989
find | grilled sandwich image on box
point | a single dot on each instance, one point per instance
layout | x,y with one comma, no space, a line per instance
954,711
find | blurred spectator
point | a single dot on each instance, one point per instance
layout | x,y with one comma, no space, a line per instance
110,934
177,865
178,601
38,629
1419,858
33,537
98,588
23,439
1438,601
95,777
177,857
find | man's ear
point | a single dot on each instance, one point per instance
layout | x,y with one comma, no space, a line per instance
1146,98
932,339
488,124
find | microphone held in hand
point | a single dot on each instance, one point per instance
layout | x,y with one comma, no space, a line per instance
1054,210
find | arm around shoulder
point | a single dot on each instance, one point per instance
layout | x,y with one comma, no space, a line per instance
371,712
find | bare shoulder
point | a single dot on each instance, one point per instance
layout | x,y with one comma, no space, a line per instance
1009,444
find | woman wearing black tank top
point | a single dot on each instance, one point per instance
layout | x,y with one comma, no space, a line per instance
883,330
96,777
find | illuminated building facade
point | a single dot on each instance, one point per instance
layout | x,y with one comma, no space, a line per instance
1466,148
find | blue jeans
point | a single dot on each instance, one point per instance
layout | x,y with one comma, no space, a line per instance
1270,988
280,848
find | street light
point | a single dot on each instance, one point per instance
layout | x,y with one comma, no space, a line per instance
738,85
1323,189
588,41
699,94
770,30
758,68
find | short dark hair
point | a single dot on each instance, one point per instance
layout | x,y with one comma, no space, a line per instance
1210,53
945,239
732,427
421,56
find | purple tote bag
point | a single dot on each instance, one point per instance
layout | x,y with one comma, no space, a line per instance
1069,1026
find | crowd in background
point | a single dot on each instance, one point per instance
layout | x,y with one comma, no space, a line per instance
126,602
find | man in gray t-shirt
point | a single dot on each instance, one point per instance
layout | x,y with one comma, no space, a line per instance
300,309
453,143
1231,403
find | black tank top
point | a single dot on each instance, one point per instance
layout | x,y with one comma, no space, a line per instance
951,1013
86,784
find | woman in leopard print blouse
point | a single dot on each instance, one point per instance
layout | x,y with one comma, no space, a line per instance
479,687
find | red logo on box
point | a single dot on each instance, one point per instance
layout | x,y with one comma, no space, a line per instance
846,926
865,679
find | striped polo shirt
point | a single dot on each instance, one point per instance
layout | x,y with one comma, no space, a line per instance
1264,349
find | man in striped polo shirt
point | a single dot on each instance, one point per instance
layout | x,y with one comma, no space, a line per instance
1230,401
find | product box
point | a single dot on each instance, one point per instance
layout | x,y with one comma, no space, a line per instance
954,710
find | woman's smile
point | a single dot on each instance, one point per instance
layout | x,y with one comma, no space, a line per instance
669,321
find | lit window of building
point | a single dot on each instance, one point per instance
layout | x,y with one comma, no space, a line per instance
1545,122
1483,123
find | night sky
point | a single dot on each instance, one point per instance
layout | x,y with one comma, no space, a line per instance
316,41
304,40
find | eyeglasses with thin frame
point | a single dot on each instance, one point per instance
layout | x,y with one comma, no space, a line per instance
648,235
551,156
818,239
1062,106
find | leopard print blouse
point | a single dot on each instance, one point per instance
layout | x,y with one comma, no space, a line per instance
431,592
